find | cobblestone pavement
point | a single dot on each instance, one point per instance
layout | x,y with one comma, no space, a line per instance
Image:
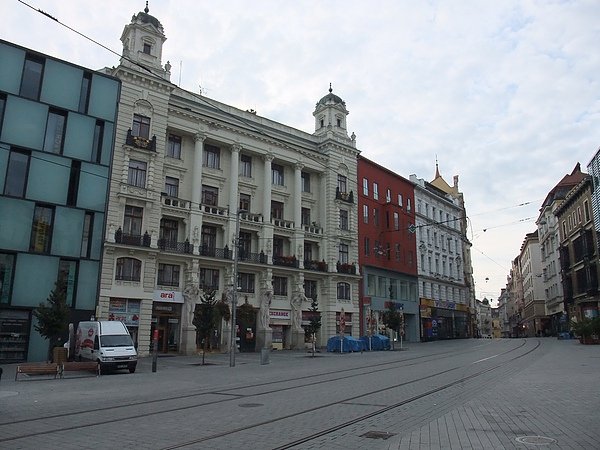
547,399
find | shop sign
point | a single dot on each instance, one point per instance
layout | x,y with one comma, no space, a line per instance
168,296
279,315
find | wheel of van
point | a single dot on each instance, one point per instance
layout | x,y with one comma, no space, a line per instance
132,369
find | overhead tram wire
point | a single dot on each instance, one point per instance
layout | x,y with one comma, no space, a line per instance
237,118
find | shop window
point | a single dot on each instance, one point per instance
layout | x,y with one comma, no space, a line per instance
41,229
128,269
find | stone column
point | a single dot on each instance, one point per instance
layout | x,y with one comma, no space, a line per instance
298,195
268,158
197,173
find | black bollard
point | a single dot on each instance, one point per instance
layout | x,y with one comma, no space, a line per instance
155,350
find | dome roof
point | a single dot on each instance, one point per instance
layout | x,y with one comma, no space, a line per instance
144,17
331,98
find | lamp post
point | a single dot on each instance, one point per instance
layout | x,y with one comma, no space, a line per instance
234,287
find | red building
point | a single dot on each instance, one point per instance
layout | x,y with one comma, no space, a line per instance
387,248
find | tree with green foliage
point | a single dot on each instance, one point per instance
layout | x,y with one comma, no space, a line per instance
208,315
53,316
314,324
392,319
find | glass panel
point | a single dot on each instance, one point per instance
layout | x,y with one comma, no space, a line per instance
103,97
7,267
87,285
10,74
92,187
67,232
84,93
48,179
31,82
41,229
86,236
79,136
15,213
45,268
16,174
25,133
97,236
61,85
107,144
67,271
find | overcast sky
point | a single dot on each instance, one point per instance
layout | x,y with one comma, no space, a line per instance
505,94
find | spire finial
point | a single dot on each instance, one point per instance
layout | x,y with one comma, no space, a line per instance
437,170
330,89
146,9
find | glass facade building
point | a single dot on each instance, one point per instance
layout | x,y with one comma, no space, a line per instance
56,145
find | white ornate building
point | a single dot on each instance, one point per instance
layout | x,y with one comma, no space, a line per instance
186,169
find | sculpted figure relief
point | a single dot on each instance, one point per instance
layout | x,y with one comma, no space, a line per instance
296,304
190,296
265,306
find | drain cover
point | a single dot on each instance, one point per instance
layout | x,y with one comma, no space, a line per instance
535,440
250,405
377,435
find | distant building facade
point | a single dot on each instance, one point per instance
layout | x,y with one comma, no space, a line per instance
57,125
534,321
387,248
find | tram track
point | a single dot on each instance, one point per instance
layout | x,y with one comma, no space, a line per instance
56,423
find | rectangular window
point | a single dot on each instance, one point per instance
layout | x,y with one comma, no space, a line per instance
280,286
388,196
31,83
365,187
342,184
41,229
7,267
211,156
2,106
209,278
365,214
310,289
245,202
172,187
396,221
141,126
210,195
245,244
86,237
277,175
73,183
305,181
276,210
174,146
208,240
400,203
246,166
16,173
128,269
132,223
55,131
84,93
343,291
137,174
169,230
343,253
146,48
277,246
246,282
586,206
308,251
344,225
398,252
376,216
67,273
367,244
375,191
168,275
98,141
305,216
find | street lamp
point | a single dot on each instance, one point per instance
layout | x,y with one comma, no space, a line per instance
234,289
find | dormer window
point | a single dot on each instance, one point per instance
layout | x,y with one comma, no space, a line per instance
339,122
322,122
147,48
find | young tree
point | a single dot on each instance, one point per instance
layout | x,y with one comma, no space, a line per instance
314,324
392,319
53,316
207,316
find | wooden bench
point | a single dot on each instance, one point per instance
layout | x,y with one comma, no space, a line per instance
75,366
38,369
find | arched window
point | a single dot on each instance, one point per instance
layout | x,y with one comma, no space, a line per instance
128,269
343,291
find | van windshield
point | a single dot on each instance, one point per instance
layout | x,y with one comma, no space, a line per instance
116,340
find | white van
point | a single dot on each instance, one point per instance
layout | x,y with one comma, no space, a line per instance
107,342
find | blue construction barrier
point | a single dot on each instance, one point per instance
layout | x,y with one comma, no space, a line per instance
349,344
378,342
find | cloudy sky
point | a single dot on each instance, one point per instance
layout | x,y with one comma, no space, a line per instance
505,94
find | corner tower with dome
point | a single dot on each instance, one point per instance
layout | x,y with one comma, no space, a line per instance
187,171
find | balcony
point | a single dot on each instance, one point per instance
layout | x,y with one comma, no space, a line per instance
174,202
258,258
140,142
176,247
313,229
214,210
214,252
132,239
250,217
344,196
289,224
346,268
320,266
287,261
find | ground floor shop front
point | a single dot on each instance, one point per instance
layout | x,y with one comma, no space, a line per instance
443,320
